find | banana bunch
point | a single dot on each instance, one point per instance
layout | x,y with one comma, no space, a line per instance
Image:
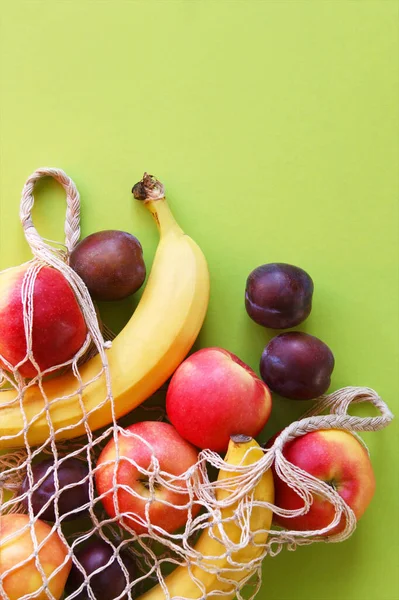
215,572
143,356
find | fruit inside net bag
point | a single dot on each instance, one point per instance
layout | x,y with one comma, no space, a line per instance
94,508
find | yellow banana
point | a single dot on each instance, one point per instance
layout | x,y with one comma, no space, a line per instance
181,582
143,356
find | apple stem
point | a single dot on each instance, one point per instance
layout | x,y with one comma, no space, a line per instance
145,483
148,188
332,483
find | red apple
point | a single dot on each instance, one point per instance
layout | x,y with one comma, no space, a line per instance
26,578
175,456
58,329
336,457
213,395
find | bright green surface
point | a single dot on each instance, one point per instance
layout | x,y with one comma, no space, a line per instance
274,127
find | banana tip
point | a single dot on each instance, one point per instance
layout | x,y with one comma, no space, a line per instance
240,438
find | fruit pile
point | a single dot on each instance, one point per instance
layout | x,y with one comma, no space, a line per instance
102,503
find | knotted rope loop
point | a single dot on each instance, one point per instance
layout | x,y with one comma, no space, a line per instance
40,249
56,258
338,418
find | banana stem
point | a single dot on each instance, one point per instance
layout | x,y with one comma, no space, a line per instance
148,188
152,193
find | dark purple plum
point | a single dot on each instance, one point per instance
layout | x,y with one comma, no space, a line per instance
108,583
110,263
297,365
70,471
278,295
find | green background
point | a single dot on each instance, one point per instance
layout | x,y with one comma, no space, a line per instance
274,126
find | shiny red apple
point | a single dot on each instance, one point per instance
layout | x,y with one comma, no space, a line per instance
213,395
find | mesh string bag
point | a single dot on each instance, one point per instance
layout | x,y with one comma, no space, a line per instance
227,530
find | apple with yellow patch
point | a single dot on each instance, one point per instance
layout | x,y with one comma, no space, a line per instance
213,395
58,327
336,457
137,445
16,546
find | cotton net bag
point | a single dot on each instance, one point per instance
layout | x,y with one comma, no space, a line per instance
228,500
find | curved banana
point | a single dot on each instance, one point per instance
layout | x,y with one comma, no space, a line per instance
181,582
143,356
